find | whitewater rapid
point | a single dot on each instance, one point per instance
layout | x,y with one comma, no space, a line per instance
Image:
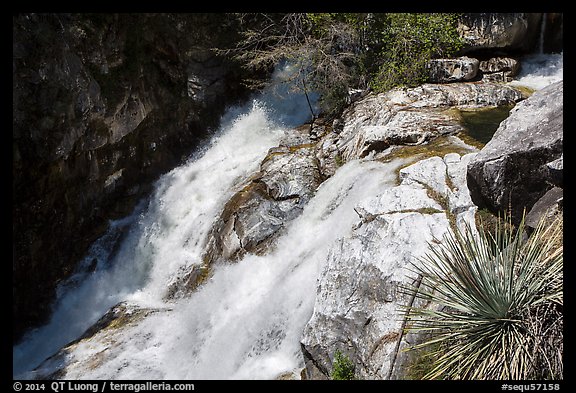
141,255
246,320
540,70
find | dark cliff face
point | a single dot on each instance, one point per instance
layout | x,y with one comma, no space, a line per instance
102,105
511,33
553,31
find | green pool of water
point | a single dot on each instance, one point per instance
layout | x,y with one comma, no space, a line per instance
481,124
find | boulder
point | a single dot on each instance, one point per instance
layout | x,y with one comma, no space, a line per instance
499,64
547,207
358,308
460,69
499,69
513,170
251,219
414,116
556,171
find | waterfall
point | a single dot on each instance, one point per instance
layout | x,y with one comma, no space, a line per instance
246,320
542,34
540,70
141,255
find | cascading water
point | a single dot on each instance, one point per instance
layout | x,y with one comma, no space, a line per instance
540,70
141,255
246,320
542,33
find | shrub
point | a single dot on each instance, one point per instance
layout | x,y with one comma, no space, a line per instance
409,41
499,303
336,52
343,367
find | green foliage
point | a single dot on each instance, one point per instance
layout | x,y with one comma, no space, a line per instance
336,52
394,48
500,301
320,22
409,41
323,22
343,368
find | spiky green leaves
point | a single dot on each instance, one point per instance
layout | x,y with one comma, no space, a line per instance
496,303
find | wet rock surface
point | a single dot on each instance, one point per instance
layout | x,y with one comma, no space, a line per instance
288,177
96,344
252,218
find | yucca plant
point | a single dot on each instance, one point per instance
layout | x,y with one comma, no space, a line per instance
494,303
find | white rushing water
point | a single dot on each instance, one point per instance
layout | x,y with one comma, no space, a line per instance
540,70
166,233
246,320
